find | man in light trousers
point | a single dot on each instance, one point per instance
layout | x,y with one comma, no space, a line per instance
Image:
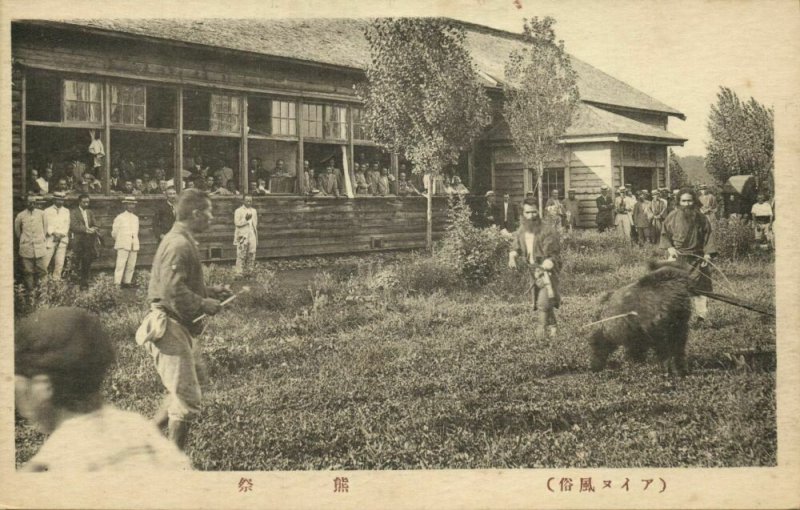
245,237
57,239
125,231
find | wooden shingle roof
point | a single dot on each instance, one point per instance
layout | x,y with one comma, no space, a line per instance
341,42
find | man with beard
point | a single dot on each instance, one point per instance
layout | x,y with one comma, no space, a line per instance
687,237
177,295
538,246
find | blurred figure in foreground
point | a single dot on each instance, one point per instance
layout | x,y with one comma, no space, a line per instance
61,356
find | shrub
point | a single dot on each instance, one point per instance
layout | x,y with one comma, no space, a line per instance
734,237
477,254
427,274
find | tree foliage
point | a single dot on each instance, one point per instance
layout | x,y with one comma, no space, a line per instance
741,139
422,97
677,175
541,93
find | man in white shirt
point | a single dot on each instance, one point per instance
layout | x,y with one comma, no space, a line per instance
125,232
57,218
30,227
245,237
762,219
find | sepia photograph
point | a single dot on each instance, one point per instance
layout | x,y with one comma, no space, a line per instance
468,254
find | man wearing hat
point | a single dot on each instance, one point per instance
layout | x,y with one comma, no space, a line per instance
61,356
30,228
572,208
554,211
489,209
164,217
641,218
57,219
125,231
657,212
708,203
245,236
605,210
623,209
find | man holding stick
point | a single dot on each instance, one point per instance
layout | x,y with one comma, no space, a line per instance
178,295
687,236
538,245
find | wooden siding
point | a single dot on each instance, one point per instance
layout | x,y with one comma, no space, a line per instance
16,129
289,226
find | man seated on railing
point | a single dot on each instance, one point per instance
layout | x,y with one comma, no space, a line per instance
405,188
458,186
360,183
328,183
383,183
262,188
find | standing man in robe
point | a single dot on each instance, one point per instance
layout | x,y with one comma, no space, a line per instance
622,218
658,212
687,236
572,208
30,227
245,237
708,203
125,231
537,244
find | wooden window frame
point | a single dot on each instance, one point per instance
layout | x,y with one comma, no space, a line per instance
124,105
65,101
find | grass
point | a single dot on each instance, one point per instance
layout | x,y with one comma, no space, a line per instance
371,367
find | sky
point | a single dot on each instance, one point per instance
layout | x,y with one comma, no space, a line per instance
679,52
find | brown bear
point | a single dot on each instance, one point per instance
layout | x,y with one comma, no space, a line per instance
652,312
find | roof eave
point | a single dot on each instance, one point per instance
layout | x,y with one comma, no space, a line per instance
183,44
673,113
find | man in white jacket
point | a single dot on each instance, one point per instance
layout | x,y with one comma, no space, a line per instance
57,239
245,238
125,232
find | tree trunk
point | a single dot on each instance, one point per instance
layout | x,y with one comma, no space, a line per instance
539,172
429,218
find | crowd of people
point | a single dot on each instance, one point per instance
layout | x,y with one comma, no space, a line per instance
56,347
218,178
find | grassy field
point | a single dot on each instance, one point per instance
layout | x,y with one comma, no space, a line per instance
395,363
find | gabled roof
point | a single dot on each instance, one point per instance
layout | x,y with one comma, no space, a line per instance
592,121
341,42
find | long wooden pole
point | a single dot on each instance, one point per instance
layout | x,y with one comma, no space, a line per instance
177,174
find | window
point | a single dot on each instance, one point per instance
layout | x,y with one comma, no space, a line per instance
83,101
161,107
312,120
225,113
284,118
336,122
128,105
552,179
359,131
43,96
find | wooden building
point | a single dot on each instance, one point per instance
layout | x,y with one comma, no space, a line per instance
243,94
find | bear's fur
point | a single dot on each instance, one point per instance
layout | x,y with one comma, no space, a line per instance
661,300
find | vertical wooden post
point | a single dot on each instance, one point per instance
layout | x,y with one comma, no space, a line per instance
177,177
23,144
298,119
107,138
395,164
243,150
351,144
666,168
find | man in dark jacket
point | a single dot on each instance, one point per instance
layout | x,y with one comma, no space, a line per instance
164,216
86,238
605,210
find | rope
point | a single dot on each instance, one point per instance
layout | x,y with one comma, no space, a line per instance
730,285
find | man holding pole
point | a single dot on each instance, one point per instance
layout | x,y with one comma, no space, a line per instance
178,296
687,237
538,245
